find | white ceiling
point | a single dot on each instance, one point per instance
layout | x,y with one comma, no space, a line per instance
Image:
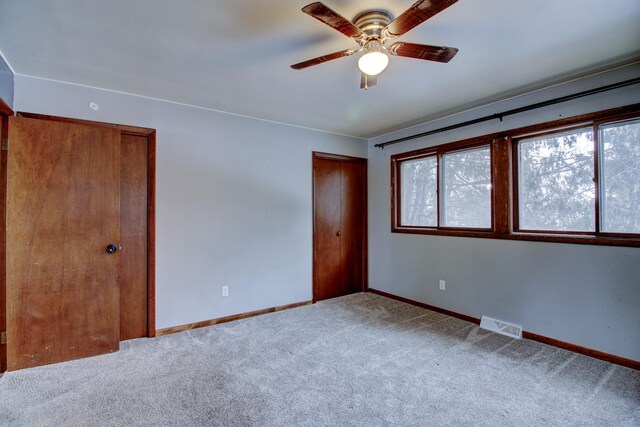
234,55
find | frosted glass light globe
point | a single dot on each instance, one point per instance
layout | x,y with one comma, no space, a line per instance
373,63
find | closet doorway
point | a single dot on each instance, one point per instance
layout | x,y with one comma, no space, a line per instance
339,225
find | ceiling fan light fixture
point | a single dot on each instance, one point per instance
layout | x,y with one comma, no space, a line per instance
375,60
372,28
373,63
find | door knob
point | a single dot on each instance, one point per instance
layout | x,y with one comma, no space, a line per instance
339,233
111,249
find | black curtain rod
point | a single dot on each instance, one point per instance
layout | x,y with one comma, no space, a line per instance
514,111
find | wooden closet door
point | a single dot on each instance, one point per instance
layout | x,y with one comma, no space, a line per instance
328,266
63,210
339,239
352,219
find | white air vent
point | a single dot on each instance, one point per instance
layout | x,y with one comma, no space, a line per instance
504,328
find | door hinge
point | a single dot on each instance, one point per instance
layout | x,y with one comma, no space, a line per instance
3,338
5,144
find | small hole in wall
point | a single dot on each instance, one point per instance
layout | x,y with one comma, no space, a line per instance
94,106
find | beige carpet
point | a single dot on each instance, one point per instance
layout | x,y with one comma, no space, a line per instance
360,360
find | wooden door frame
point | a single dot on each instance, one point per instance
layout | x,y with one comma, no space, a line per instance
150,134
317,155
5,112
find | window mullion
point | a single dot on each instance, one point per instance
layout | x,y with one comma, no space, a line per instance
501,185
597,177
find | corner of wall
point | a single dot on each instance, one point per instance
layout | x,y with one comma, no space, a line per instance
7,81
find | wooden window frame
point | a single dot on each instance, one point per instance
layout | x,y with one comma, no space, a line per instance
439,152
598,172
516,180
504,188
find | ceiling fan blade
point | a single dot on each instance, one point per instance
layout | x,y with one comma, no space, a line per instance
366,81
423,51
416,15
324,14
323,58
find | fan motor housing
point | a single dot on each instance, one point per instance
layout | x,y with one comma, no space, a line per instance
371,22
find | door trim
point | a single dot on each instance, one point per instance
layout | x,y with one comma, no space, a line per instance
5,112
317,155
151,201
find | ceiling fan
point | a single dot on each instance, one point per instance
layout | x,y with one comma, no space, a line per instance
371,29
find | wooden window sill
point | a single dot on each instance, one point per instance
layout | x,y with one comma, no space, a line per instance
535,237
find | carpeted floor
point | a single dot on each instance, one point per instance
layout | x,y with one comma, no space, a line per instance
360,360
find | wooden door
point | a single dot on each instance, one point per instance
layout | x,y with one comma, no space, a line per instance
327,266
353,225
340,223
4,135
63,210
133,236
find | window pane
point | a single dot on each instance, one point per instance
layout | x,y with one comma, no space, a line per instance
620,177
555,182
467,189
419,192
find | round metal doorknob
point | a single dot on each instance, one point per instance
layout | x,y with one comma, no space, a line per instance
111,249
339,233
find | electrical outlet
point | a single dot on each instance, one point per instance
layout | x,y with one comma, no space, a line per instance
225,291
443,285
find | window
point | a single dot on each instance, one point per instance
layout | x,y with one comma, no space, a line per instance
575,180
556,189
449,189
420,192
620,177
466,198
558,186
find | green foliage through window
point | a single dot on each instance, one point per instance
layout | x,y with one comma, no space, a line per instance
620,177
420,192
556,188
467,189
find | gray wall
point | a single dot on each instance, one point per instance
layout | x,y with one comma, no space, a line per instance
234,208
6,83
582,294
234,200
